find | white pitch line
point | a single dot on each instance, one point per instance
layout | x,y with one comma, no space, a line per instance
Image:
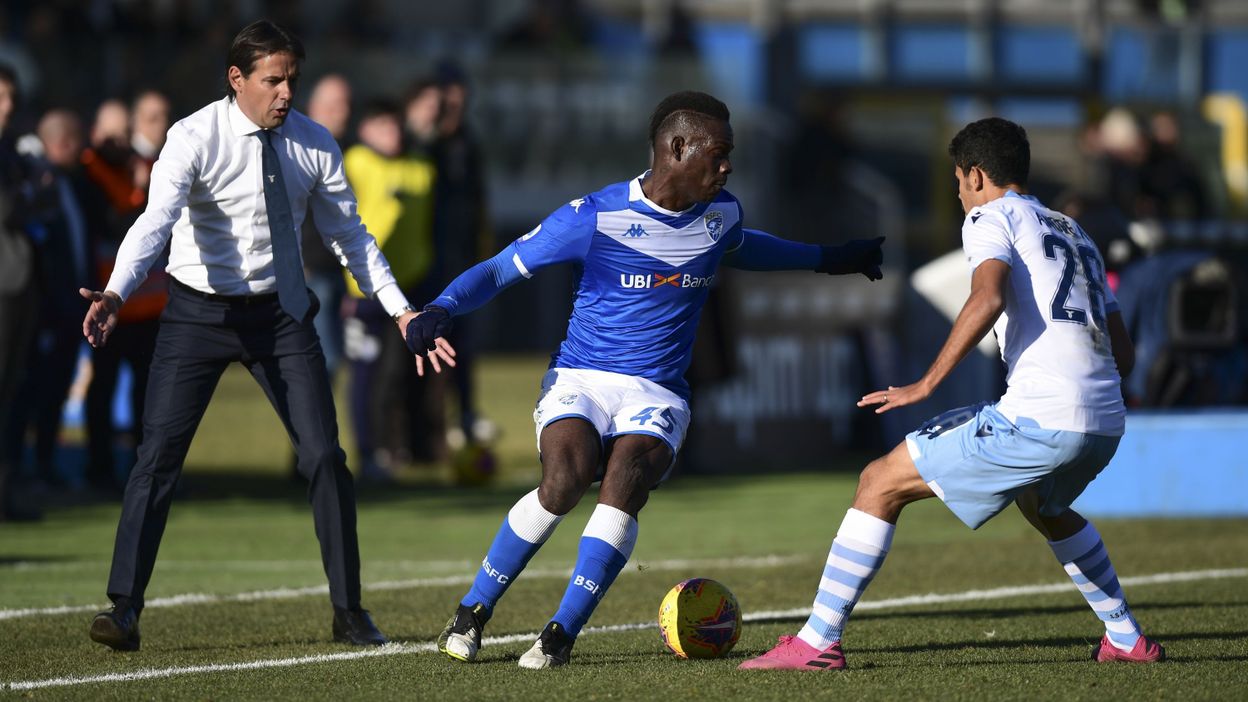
286,593
1008,592
312,566
393,649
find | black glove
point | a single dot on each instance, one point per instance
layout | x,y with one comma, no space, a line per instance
858,256
432,323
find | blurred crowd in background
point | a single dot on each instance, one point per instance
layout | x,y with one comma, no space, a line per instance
833,143
73,186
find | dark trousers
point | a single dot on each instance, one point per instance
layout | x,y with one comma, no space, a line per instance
198,338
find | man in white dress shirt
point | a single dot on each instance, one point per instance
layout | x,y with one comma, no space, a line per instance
228,195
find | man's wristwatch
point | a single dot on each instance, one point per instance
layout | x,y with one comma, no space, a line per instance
398,315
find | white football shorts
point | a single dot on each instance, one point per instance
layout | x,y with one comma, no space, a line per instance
615,404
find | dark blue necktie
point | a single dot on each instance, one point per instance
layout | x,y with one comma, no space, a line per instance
292,291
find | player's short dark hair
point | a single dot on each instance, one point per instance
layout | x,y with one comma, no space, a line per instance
257,40
997,146
685,101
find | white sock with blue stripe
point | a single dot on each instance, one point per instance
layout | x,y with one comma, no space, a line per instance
857,553
1087,562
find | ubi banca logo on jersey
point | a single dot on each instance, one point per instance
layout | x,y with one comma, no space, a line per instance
659,280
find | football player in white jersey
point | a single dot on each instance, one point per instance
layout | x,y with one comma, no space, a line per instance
614,403
1040,283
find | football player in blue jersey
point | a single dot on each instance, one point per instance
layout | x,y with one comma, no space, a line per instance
614,402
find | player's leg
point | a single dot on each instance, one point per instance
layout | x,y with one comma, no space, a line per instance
635,463
570,458
1078,547
570,452
886,486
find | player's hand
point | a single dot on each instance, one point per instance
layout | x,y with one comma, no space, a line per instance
426,333
101,317
858,256
895,397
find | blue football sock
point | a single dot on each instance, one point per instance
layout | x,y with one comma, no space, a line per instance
524,530
605,548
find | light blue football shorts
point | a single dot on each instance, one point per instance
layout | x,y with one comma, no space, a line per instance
977,462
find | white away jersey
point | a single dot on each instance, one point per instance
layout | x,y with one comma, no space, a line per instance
1060,371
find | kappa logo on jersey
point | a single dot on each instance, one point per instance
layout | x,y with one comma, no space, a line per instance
636,232
714,223
658,280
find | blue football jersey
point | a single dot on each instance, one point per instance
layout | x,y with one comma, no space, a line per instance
645,274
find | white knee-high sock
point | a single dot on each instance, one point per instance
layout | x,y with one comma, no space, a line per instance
857,553
1087,562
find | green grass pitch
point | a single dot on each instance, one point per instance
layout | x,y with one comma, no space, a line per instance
241,537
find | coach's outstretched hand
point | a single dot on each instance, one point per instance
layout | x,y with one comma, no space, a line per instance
426,334
101,317
858,256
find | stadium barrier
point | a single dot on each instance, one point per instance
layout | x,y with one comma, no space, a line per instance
1175,464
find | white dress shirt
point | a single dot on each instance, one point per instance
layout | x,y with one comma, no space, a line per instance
207,195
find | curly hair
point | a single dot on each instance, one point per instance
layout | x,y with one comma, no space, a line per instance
997,146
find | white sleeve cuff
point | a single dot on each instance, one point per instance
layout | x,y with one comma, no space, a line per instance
392,298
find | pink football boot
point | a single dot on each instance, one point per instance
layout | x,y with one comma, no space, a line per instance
1145,651
791,653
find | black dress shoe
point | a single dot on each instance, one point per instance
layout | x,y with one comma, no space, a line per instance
355,627
118,628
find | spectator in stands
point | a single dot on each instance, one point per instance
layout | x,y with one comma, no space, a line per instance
107,160
120,161
151,120
389,403
69,215
1122,153
1170,182
18,299
330,106
421,111
461,225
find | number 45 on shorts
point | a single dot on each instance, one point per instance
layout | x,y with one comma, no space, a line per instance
664,421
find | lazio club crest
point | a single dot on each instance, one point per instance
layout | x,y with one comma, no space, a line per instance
714,222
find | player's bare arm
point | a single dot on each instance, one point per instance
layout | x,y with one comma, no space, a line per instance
982,308
101,317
